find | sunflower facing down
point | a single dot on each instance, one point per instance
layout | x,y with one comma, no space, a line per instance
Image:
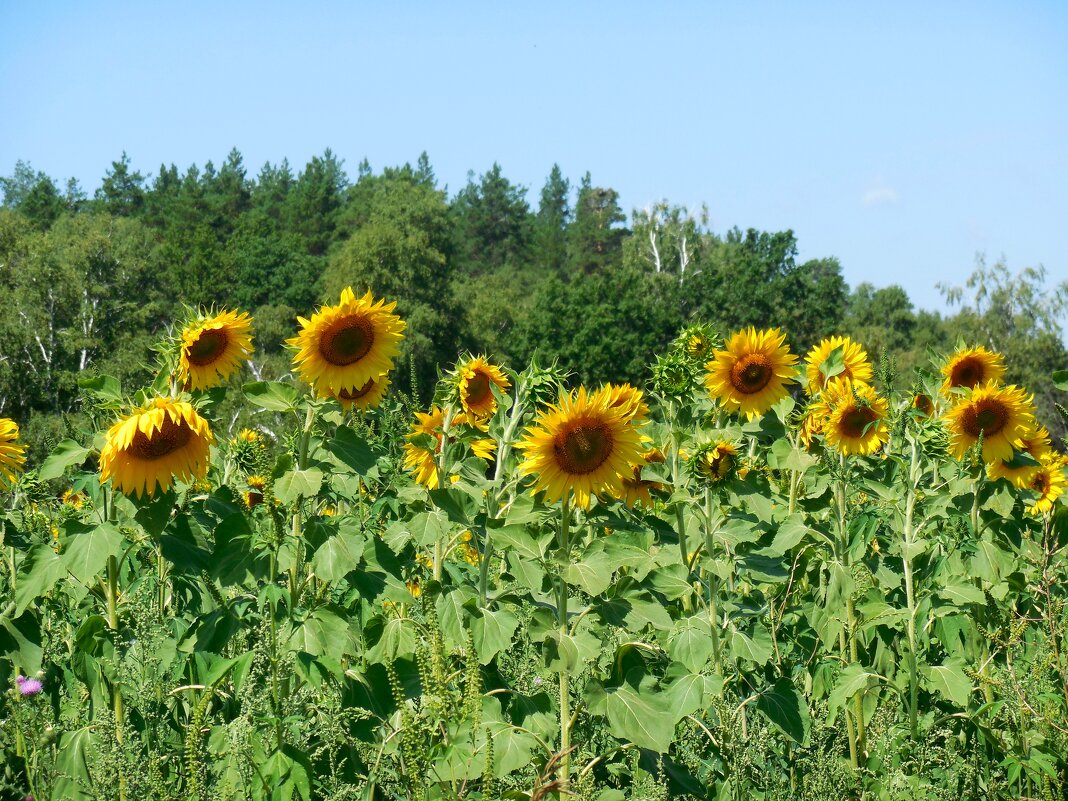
347,345
365,398
1049,482
636,490
1002,416
423,463
581,445
855,364
856,418
12,455
213,348
162,441
477,379
1018,470
751,375
971,367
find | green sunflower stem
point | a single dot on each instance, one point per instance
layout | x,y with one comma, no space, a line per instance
116,691
713,584
564,772
910,592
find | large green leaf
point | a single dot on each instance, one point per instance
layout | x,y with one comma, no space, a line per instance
755,648
38,573
949,680
352,450
641,716
298,484
273,396
338,555
690,643
784,706
493,633
323,632
88,548
852,680
67,453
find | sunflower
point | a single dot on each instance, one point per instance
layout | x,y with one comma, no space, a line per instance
1036,445
12,455
922,404
213,348
811,426
581,445
477,379
856,423
1002,416
163,440
74,498
1049,482
751,375
971,367
345,346
636,490
423,463
630,400
714,462
855,364
366,397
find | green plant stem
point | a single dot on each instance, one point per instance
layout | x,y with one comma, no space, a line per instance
116,690
847,641
565,690
298,511
910,592
275,695
713,584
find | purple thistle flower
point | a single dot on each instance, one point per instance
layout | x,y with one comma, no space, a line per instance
27,686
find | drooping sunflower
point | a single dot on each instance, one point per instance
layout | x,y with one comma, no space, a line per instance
971,367
477,379
714,462
213,348
155,444
1003,416
1018,471
856,423
366,397
581,446
1049,481
811,426
855,365
347,345
74,498
12,454
636,490
751,375
630,400
922,404
423,463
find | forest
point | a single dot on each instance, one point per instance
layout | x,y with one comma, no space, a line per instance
92,281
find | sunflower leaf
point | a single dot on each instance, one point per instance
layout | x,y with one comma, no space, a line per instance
67,453
273,396
298,484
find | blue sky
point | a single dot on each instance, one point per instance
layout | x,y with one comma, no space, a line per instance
902,138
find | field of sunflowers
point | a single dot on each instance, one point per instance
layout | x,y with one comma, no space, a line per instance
763,576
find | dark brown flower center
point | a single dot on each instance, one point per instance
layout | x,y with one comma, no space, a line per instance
855,421
988,416
350,395
923,404
169,438
751,373
968,372
1040,484
583,448
209,346
347,340
478,388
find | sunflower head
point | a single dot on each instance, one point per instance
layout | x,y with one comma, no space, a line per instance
581,446
347,345
1048,482
74,498
628,399
1026,460
714,462
12,454
675,375
697,342
856,423
367,397
475,380
970,367
249,450
636,491
752,373
812,425
424,444
1002,417
922,405
162,441
836,357
213,347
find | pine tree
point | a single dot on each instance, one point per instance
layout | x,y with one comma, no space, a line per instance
550,225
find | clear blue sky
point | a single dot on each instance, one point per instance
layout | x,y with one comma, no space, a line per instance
900,137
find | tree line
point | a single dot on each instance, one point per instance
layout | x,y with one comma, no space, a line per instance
91,282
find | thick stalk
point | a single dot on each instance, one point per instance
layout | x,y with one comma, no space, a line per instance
298,510
984,664
276,701
443,462
847,640
116,691
561,608
910,592
713,583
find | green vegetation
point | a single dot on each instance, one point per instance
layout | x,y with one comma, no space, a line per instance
93,281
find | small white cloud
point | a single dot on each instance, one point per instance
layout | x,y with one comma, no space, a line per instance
879,195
